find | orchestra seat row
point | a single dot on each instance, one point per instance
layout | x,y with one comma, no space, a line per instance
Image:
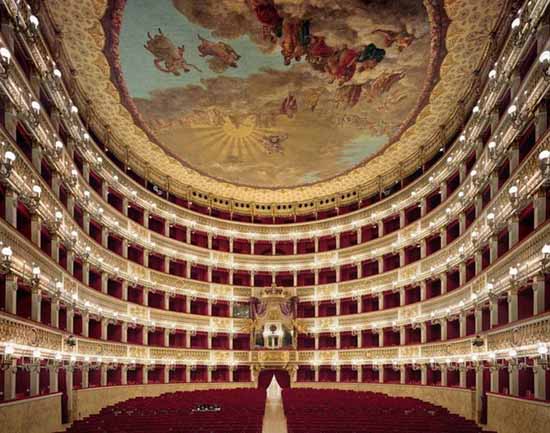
335,411
241,411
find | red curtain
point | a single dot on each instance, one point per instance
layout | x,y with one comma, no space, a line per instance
282,376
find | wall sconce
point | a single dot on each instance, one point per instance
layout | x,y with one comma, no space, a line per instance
545,262
35,278
544,60
6,165
516,117
514,196
491,220
513,274
5,265
32,116
7,357
544,165
32,201
5,62
492,146
72,179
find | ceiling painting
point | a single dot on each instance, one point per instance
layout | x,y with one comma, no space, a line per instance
274,93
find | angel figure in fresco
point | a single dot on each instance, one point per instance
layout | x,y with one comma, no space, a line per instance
295,39
168,57
289,107
342,65
220,51
274,143
267,14
402,39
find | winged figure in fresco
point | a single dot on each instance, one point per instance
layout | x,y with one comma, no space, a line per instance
402,39
168,57
223,54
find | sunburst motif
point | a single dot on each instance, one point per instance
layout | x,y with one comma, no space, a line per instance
236,141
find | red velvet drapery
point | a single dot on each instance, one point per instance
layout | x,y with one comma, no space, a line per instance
282,376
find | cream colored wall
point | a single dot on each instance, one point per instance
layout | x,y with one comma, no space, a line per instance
516,415
33,415
90,401
457,400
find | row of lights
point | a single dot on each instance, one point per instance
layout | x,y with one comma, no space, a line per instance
31,26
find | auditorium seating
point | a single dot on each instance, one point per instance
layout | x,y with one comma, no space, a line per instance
241,411
335,411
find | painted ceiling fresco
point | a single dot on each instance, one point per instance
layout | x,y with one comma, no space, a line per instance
274,93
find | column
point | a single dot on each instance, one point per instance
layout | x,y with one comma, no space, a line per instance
166,373
11,207
124,332
512,305
124,374
35,377
36,227
166,337
462,324
54,313
85,376
423,333
513,156
494,378
513,231
124,290
36,304
316,373
11,294
9,380
402,335
540,381
462,223
462,376
104,325
443,282
478,392
381,374
69,387
513,382
539,206
424,374
70,319
443,325
493,249
103,375
402,375
104,282
188,374
85,324
55,247
538,294
478,312
444,377
36,157
145,374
